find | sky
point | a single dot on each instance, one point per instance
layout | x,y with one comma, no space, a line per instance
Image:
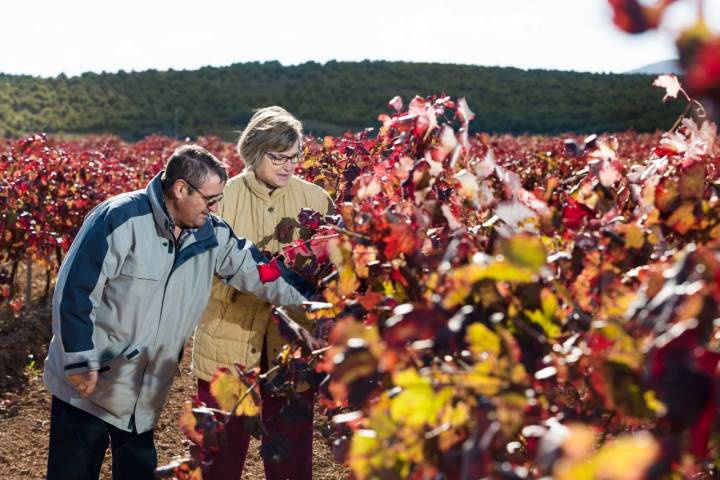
46,38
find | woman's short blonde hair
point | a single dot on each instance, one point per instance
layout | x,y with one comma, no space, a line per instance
271,129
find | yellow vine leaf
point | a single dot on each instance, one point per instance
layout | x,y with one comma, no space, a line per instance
481,380
347,282
417,404
627,457
551,329
462,279
226,388
682,219
526,251
187,423
482,340
634,236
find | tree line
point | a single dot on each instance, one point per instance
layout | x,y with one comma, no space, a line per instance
330,98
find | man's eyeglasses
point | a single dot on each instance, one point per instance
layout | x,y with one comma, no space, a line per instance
278,159
209,200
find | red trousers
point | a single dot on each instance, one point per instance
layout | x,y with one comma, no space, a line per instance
290,437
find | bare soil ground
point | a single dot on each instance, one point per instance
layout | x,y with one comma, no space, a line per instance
25,409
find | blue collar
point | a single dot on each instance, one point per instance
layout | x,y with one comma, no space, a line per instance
159,209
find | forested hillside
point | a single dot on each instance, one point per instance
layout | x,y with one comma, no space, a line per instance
330,98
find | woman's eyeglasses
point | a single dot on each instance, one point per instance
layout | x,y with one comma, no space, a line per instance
278,159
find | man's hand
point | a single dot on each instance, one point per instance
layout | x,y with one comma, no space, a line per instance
84,382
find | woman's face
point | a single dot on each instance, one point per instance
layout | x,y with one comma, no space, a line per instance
276,168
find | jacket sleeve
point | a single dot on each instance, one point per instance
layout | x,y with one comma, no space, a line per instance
96,255
239,264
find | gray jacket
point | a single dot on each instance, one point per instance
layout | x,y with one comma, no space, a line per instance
127,299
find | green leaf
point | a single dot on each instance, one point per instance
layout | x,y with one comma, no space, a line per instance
625,390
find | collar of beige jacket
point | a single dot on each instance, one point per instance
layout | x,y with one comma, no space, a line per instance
262,191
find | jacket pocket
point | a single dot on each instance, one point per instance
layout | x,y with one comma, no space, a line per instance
118,384
144,270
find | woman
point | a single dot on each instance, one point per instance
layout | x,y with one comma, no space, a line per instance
262,205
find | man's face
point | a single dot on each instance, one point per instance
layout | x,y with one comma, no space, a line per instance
194,203
276,168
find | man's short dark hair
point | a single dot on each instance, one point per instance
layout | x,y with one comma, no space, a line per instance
193,164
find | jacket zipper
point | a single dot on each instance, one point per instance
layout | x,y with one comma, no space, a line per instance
174,251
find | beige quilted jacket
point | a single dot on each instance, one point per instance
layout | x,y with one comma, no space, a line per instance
235,326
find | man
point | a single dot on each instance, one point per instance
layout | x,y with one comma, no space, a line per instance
128,295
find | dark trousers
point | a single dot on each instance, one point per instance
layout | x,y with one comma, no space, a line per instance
78,442
294,462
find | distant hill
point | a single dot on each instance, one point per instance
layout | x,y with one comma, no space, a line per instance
658,68
330,98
